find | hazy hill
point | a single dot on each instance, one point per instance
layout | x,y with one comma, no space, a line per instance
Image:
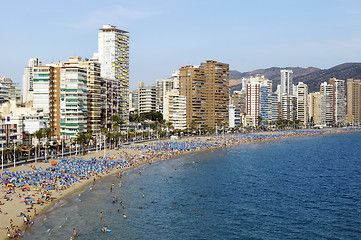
342,71
312,76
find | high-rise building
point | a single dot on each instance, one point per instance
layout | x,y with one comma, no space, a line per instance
274,107
326,91
206,88
338,101
147,98
60,91
259,105
192,84
289,107
286,82
4,93
254,101
43,86
287,96
217,93
13,90
94,101
133,100
73,101
302,104
113,54
28,79
354,101
234,116
163,86
315,108
175,109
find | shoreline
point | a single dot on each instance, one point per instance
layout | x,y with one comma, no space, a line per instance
136,150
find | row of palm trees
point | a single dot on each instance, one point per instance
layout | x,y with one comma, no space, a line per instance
113,137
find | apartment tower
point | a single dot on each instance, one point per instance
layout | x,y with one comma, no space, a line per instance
315,108
113,54
28,79
302,104
354,101
338,100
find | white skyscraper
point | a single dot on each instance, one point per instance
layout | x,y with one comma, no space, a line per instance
339,104
113,54
302,103
326,91
28,82
286,82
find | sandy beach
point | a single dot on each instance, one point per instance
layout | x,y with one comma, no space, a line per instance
133,155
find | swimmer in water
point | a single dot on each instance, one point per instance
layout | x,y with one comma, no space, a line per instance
124,216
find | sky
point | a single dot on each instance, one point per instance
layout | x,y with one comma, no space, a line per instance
168,34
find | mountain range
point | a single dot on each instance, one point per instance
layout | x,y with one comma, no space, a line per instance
311,76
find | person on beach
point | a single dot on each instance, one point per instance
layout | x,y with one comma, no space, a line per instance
101,216
75,234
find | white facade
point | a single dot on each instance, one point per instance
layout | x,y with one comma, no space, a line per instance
259,104
28,120
147,98
289,107
42,77
339,103
113,54
326,91
286,82
73,102
175,109
4,93
28,79
302,104
163,86
253,101
234,117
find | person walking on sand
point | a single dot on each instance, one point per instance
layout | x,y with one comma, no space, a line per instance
75,234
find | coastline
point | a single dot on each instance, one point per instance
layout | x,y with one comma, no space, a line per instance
16,206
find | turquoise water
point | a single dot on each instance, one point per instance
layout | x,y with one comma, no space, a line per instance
302,188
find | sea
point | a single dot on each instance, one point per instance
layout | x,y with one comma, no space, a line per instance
299,188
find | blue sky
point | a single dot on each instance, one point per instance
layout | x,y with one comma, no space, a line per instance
168,34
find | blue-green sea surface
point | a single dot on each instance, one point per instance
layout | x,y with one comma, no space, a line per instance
301,188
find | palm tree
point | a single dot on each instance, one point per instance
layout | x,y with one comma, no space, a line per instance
39,134
105,132
20,149
47,133
7,152
117,120
28,149
88,137
116,136
81,139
